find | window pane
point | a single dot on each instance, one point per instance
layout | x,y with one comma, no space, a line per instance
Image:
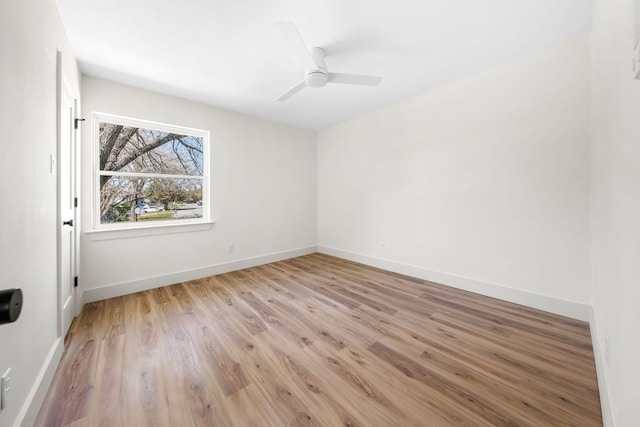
139,199
137,149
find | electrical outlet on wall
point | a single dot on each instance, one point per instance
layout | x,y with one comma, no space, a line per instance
5,387
383,245
230,248
607,350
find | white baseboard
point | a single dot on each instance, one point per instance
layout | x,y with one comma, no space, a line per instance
563,307
119,289
31,407
598,354
559,306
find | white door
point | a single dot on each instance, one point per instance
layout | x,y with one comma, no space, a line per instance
66,205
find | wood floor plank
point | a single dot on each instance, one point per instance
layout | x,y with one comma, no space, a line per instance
321,341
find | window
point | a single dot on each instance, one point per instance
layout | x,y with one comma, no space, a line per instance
149,173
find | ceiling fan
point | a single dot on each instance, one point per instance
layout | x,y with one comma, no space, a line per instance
316,74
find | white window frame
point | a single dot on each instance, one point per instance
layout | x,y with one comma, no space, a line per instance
130,229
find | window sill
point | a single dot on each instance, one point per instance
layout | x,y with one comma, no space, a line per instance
147,230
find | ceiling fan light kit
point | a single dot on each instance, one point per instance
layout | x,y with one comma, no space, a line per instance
317,76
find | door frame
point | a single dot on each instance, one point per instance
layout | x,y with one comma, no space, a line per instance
62,86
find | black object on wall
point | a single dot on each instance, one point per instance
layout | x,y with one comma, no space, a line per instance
10,305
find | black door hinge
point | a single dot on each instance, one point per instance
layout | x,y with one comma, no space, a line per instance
75,282
75,123
75,202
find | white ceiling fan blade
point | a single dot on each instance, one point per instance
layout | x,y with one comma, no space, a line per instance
354,79
297,44
288,94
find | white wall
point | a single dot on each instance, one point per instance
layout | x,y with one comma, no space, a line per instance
263,196
480,184
30,34
615,118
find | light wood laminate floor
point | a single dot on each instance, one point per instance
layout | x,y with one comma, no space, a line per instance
320,341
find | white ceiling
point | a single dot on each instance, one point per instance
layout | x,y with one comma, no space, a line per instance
230,53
